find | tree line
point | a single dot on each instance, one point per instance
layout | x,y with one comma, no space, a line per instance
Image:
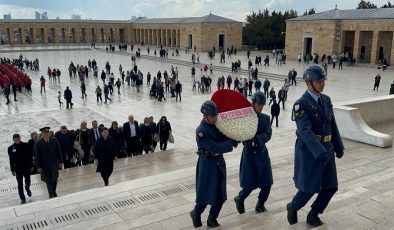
266,30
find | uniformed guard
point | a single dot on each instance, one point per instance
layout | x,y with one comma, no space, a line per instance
211,167
21,164
48,159
255,167
317,140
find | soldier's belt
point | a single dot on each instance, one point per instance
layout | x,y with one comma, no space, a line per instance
324,138
205,153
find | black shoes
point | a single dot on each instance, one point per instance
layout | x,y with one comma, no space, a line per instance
291,214
106,183
196,219
239,203
28,191
212,223
313,219
23,201
260,207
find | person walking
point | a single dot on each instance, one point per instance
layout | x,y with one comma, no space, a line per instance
49,159
105,155
255,167
377,82
21,165
211,167
42,84
59,98
164,130
118,84
83,89
318,141
282,97
106,93
275,110
391,89
272,95
99,93
178,90
7,94
266,86
68,96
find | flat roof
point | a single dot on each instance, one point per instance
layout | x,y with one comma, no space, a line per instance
353,14
210,18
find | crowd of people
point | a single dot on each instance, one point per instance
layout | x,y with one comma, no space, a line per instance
82,146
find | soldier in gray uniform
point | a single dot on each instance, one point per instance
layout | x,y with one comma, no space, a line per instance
48,159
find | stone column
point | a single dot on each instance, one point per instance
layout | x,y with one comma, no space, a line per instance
10,36
32,35
55,36
356,46
44,35
374,47
178,39
21,37
77,35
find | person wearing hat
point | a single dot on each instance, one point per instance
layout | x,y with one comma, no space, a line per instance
21,165
211,167
48,159
318,141
255,167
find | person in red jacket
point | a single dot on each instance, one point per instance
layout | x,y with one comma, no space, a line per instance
42,83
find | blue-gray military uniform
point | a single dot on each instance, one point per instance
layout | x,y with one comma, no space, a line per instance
317,140
255,166
210,170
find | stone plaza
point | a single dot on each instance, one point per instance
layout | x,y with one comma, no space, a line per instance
157,191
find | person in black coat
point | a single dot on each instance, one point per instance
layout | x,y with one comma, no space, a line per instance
146,136
21,164
68,96
105,154
392,89
164,130
275,110
66,141
30,146
116,133
178,90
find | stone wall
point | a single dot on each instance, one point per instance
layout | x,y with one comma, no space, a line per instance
323,33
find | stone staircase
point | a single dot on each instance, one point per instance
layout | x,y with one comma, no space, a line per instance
157,191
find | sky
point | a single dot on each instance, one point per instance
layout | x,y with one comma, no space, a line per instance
125,9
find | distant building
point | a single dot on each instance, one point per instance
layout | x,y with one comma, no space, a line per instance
44,15
200,33
366,35
57,18
7,16
76,17
37,15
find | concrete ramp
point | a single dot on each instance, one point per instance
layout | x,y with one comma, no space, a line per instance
355,118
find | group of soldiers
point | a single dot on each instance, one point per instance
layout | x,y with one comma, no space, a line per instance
318,142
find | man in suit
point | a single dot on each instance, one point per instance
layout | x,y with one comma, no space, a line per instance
131,133
48,159
21,164
95,134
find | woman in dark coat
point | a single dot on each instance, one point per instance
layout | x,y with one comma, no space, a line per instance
146,136
83,137
105,154
116,133
164,130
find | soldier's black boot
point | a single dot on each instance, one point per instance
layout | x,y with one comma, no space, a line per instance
291,214
212,223
196,219
313,219
239,203
260,207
